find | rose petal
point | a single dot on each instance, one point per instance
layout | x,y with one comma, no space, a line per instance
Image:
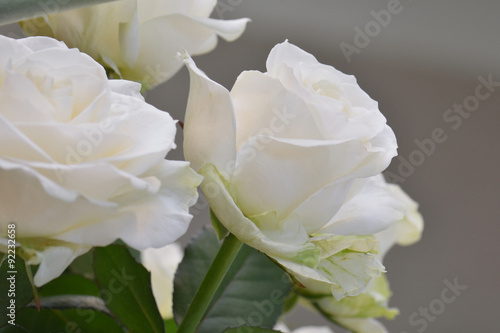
41,43
162,263
18,108
264,106
209,128
289,54
317,210
149,9
31,201
148,219
18,145
178,32
11,51
130,39
55,259
243,228
369,208
345,273
301,164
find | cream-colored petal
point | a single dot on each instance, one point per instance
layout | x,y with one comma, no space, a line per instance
149,9
32,200
243,228
157,60
289,54
279,174
11,51
369,208
408,229
130,39
317,210
162,263
209,127
372,303
145,219
346,273
264,106
54,260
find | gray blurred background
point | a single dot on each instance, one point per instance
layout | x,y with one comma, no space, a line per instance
426,58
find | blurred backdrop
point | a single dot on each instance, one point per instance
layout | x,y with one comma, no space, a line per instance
423,63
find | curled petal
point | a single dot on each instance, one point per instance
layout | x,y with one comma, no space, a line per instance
347,272
243,228
369,208
209,129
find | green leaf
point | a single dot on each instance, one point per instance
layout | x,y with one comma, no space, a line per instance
195,264
70,320
13,329
220,229
253,291
126,289
136,254
83,265
18,10
21,291
248,329
69,284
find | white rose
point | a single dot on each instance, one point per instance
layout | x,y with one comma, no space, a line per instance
357,313
162,263
139,40
407,230
82,158
288,157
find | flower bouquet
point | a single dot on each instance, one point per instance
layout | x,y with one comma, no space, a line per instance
289,160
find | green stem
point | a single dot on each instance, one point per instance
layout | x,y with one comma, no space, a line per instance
36,297
221,264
